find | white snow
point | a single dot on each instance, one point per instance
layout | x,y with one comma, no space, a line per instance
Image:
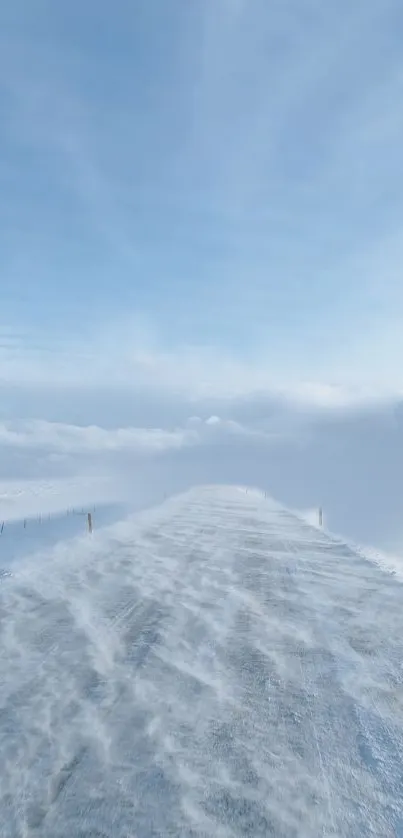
213,667
29,498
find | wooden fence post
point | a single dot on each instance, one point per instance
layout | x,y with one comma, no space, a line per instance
89,518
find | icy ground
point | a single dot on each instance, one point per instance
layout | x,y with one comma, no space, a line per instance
216,667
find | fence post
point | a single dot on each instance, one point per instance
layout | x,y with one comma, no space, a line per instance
320,516
89,518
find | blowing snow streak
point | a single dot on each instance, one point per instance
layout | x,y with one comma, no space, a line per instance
216,667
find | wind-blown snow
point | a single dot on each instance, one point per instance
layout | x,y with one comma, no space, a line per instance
216,667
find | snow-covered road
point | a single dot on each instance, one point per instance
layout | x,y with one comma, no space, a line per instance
216,667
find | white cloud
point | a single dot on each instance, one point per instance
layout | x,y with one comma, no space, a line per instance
60,439
194,372
238,129
70,439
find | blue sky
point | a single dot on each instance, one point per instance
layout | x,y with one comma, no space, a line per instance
201,213
223,174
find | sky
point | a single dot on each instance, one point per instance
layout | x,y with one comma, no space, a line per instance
201,240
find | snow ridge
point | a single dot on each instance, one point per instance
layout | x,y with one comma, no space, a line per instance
214,667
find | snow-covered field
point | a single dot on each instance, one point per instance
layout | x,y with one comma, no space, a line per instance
213,667
31,498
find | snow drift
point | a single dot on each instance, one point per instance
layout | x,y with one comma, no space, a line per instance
215,667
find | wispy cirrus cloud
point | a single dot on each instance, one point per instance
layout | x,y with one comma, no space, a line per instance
114,359
265,224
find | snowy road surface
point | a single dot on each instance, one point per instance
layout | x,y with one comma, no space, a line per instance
215,668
